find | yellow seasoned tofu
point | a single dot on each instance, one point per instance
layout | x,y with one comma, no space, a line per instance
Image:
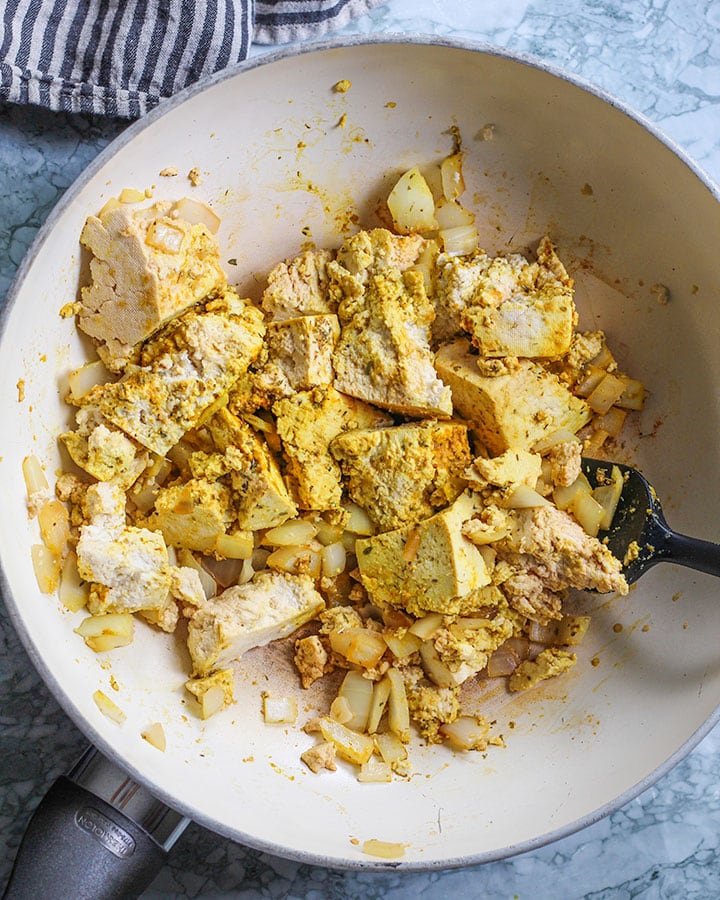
270,607
299,287
514,410
404,473
547,664
192,514
307,423
104,451
511,468
260,497
369,252
299,354
146,267
184,370
127,566
458,283
531,312
428,567
383,355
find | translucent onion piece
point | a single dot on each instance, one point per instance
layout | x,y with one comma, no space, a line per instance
212,701
102,633
542,634
35,480
359,522
612,422
109,709
564,496
608,496
392,750
54,524
427,626
355,748
358,692
164,237
588,512
131,195
451,175
524,497
466,733
155,736
73,591
340,710
81,380
398,710
402,647
561,436
239,545
381,694
633,396
606,393
279,710
571,630
450,214
334,557
46,566
459,241
358,645
375,771
224,571
296,561
592,376
503,661
292,533
197,213
411,204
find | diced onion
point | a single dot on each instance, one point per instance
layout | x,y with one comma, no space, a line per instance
155,736
107,632
355,748
564,496
374,771
196,213
398,710
46,566
35,480
327,533
451,175
542,634
561,436
392,750
81,380
427,626
334,557
73,591
131,195
411,203
503,661
164,237
571,630
524,497
588,512
358,692
606,393
292,533
279,710
459,241
212,701
608,496
108,708
633,395
224,571
239,545
296,561
359,521
358,645
381,694
450,214
340,710
592,446
592,376
466,733
612,422
54,524
402,647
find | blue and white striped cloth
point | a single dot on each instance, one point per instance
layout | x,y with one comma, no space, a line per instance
121,57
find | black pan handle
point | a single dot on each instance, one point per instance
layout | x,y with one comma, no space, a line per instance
96,835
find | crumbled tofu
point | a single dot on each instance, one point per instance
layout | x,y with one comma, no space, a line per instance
404,473
430,706
458,280
103,451
444,567
260,497
307,423
509,411
370,252
565,462
299,354
186,587
146,268
551,541
311,659
299,287
536,319
511,468
383,355
549,662
526,591
128,566
268,608
184,370
321,756
465,646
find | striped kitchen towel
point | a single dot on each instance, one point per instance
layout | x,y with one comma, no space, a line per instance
121,57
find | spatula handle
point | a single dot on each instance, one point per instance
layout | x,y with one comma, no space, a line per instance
704,556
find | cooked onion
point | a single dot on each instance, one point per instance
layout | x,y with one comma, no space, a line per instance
358,694
197,213
411,204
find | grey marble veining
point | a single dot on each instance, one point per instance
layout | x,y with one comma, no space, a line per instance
662,58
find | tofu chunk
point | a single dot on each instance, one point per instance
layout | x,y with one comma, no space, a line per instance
184,370
536,320
405,473
266,609
128,566
299,287
549,662
428,567
514,410
370,252
299,354
383,355
104,451
260,497
511,468
458,280
307,423
146,267
192,514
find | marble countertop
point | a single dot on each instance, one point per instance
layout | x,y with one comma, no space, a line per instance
662,58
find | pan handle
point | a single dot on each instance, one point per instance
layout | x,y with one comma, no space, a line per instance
80,844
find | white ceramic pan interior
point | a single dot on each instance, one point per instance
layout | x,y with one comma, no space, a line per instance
628,213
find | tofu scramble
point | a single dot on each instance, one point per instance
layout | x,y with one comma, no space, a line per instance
380,461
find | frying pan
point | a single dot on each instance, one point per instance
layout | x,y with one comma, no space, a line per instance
285,159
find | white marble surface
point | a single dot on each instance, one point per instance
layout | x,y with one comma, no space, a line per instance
661,57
